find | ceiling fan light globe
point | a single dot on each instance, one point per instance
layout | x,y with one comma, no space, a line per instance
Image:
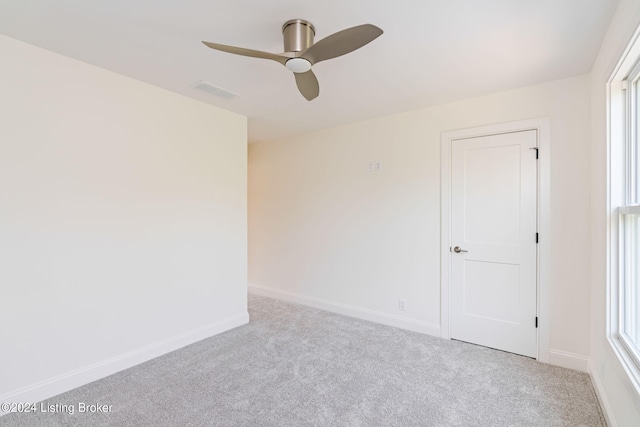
298,65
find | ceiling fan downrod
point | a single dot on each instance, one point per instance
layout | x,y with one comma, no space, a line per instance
298,35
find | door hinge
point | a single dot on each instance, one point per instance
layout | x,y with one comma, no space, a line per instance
536,321
537,237
537,151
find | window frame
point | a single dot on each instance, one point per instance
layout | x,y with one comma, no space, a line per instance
623,120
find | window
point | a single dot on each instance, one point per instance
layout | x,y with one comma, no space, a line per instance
624,210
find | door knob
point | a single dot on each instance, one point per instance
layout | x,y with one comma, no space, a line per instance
458,250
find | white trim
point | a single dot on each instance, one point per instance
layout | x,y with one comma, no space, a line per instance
445,234
629,210
349,310
543,127
602,395
626,359
565,359
79,377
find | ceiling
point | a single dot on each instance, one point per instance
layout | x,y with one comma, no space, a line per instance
432,51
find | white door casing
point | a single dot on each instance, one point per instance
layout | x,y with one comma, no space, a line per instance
493,230
491,240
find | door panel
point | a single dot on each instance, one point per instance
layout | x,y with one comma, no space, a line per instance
493,218
503,304
492,188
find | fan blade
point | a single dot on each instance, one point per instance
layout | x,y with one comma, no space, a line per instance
341,43
308,84
248,52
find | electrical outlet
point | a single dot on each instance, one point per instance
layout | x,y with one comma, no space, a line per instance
375,166
402,304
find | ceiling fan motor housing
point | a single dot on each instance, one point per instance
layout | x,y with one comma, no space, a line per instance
298,35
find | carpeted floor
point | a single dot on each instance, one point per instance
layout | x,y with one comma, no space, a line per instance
298,366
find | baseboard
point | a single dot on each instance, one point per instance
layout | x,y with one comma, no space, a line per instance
565,359
350,310
602,396
79,377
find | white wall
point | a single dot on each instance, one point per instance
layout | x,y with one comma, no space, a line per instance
324,230
622,400
122,221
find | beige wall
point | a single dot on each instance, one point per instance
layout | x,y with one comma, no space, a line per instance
622,400
324,229
122,221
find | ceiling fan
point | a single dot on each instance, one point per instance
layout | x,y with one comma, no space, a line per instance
300,53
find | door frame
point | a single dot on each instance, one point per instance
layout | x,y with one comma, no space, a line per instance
542,126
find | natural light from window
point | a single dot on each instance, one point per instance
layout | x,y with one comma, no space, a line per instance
624,208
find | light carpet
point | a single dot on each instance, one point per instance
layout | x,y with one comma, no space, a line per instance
297,366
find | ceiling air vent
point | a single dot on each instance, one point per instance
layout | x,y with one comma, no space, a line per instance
214,90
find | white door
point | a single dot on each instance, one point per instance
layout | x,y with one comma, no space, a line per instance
493,241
